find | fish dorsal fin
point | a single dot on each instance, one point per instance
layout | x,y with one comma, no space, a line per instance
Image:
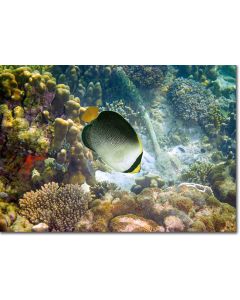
90,114
112,118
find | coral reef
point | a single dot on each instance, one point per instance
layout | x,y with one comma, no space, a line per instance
133,223
146,76
8,215
99,190
149,180
222,178
220,79
197,173
183,208
184,115
194,103
58,207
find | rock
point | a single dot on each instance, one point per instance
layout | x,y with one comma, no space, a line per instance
173,224
133,223
41,227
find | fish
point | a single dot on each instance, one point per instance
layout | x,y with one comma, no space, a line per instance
181,149
29,163
114,140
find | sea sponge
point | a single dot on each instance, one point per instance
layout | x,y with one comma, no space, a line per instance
58,207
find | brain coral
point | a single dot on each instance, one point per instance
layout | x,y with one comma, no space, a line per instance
59,207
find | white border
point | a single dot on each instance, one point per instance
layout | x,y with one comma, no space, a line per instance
93,266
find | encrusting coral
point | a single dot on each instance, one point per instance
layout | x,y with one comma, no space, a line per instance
60,207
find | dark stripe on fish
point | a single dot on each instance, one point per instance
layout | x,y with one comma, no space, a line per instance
135,164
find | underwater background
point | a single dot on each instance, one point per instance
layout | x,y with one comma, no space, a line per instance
184,115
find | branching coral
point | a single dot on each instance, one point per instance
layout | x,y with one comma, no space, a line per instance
193,102
146,76
220,79
58,207
197,173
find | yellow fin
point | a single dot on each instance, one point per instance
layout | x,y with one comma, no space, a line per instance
136,170
90,114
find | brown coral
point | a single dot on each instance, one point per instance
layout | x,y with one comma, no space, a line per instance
58,207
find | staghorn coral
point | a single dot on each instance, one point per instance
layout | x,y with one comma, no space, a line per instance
58,207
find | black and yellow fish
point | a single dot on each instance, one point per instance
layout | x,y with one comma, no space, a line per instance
113,139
